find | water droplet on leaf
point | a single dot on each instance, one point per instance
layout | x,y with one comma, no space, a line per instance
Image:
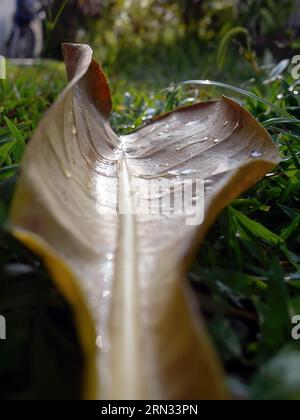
68,174
99,342
187,172
175,172
109,257
256,154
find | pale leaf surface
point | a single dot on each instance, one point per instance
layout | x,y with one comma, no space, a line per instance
124,274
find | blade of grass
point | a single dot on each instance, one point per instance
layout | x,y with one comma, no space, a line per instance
241,92
257,229
19,145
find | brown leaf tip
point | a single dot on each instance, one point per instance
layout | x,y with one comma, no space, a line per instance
80,64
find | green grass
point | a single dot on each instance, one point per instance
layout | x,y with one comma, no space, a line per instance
247,273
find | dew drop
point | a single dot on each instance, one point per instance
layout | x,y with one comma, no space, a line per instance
280,96
216,140
67,174
236,126
256,154
191,123
187,172
176,172
150,112
74,130
208,181
109,257
106,293
99,342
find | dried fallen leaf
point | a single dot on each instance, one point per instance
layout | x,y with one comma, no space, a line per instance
123,271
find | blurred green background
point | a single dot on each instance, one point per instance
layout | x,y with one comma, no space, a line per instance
164,41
